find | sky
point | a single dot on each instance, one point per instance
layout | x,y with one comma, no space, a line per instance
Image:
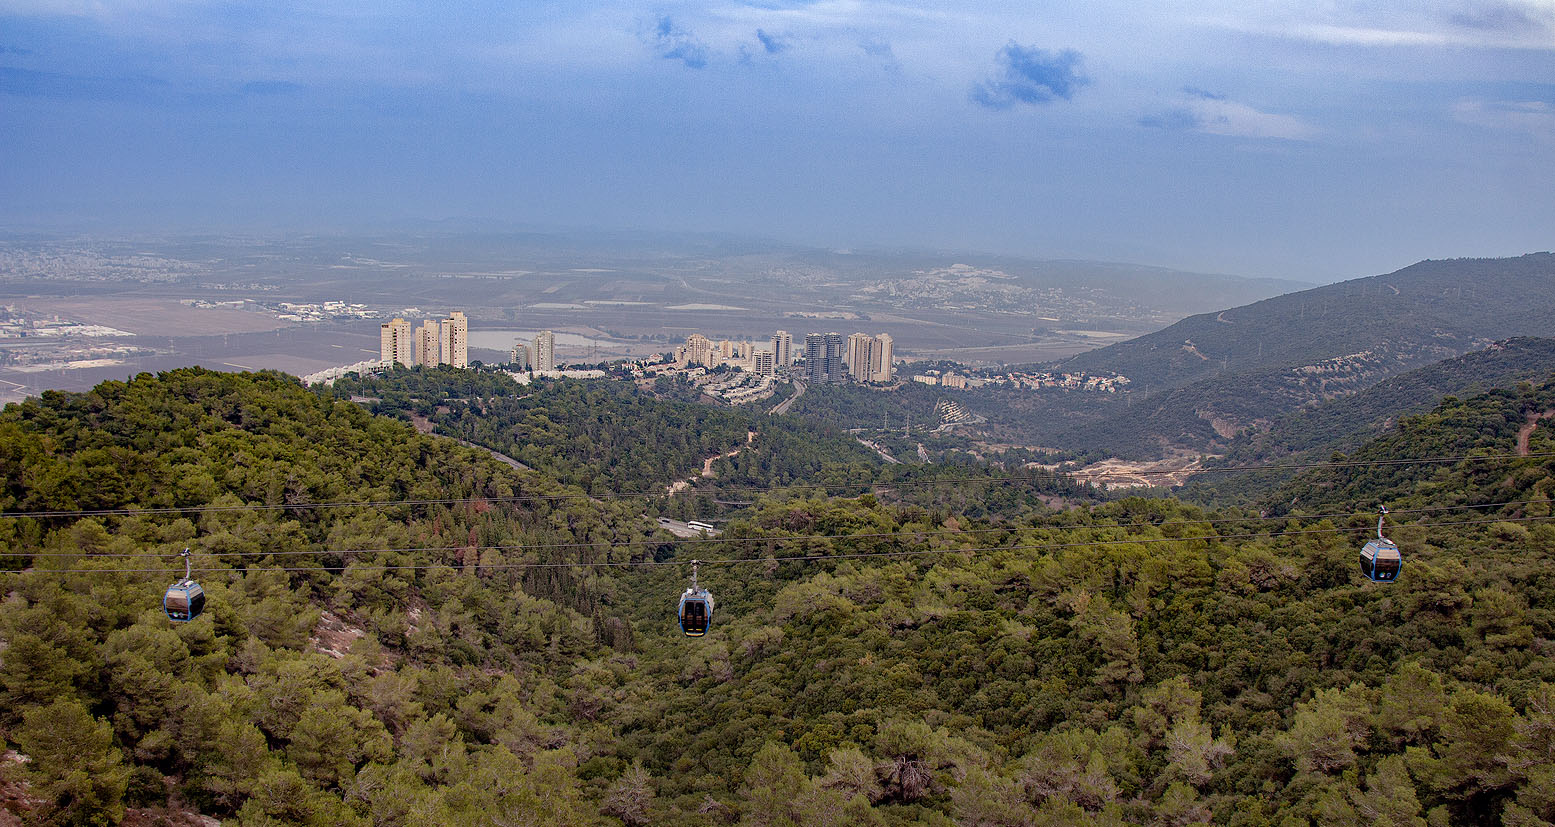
1310,139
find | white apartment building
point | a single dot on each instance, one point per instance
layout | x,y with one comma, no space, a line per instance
428,344
454,341
545,350
764,363
880,363
860,356
395,343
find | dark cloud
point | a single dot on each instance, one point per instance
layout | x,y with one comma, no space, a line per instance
772,43
675,43
1196,92
1026,74
1173,119
271,87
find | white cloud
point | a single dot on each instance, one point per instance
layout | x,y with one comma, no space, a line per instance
1216,115
1224,117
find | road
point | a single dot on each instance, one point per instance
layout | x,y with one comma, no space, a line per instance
501,457
683,531
877,449
782,407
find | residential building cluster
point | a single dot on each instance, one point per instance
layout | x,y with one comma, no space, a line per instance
444,342
537,356
827,357
860,358
742,387
1027,380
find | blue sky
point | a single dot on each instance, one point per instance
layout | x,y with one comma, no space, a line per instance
1314,140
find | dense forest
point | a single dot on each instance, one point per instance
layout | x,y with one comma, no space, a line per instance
609,437
405,631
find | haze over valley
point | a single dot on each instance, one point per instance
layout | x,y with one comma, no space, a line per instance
250,304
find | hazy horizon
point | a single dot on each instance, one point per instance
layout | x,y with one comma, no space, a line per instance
1282,140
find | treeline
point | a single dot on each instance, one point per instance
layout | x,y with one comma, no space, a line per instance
1501,422
853,406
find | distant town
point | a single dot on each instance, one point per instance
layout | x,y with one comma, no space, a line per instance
734,372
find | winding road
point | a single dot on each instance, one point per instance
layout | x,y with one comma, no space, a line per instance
782,407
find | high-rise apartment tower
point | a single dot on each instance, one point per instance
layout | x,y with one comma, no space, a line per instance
762,363
836,371
455,340
815,357
859,352
881,365
545,350
782,349
428,346
395,343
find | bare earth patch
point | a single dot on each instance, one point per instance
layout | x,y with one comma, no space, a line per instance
1525,432
333,636
1117,473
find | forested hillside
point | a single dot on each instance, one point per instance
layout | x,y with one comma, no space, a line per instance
1199,382
609,437
1348,422
470,660
1501,421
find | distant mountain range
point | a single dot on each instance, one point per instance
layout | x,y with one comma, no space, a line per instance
1201,382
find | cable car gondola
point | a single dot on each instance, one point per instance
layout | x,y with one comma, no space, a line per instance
696,607
185,599
1380,558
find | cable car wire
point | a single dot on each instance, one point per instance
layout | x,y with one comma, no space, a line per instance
627,564
699,541
1050,475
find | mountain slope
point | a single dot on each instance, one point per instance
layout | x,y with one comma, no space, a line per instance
1503,421
1344,424
1209,376
1429,307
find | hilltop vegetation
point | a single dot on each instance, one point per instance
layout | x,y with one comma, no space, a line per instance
1142,661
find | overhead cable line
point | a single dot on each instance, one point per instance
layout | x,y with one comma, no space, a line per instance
606,545
1050,475
798,558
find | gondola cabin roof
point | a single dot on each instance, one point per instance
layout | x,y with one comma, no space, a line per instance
1381,550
